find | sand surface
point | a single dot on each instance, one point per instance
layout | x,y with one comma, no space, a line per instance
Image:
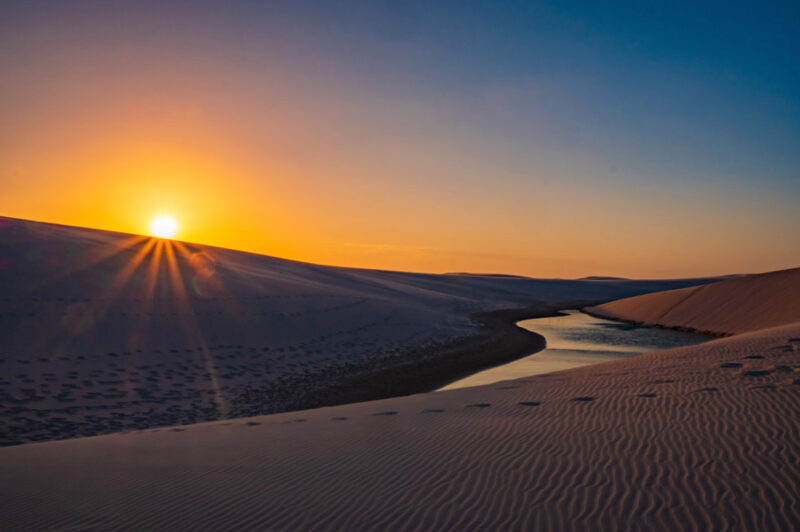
102,332
738,305
695,438
99,334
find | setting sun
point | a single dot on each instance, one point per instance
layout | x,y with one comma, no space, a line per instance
164,226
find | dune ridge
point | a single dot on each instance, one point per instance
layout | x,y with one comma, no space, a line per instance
733,306
673,439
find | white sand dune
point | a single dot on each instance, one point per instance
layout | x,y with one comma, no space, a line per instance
681,439
102,332
701,437
743,304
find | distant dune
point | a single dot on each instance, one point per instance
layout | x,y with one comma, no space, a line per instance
738,305
602,278
496,275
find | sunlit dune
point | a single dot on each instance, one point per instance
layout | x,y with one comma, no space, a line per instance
744,304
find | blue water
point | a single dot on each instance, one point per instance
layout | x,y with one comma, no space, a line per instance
578,339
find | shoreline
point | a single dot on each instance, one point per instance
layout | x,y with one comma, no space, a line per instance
498,341
415,370
637,323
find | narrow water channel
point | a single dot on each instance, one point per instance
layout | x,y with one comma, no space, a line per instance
578,339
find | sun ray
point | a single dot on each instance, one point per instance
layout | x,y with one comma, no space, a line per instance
122,277
189,323
204,281
151,278
101,305
84,316
105,252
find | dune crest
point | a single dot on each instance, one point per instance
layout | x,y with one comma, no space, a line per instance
734,306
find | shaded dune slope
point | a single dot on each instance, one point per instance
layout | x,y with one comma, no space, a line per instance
733,306
697,438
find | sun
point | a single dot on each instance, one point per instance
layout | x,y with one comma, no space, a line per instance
164,226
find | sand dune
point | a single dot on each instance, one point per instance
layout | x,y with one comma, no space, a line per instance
102,332
703,437
106,333
747,303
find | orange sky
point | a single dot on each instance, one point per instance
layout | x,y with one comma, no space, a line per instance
321,164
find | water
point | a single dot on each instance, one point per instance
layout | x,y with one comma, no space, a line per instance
578,339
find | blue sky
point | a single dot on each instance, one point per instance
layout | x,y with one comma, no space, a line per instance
681,113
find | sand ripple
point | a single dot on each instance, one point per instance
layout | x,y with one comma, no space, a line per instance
650,451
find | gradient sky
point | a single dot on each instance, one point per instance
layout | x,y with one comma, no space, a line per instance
547,140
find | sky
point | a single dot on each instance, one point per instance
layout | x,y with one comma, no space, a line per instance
552,140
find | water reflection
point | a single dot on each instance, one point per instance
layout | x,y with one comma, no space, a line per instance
578,339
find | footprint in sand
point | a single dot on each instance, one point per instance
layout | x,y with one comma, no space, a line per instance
339,418
252,423
727,365
754,357
530,403
584,399
387,413
756,373
479,405
433,411
709,389
661,381
646,395
178,430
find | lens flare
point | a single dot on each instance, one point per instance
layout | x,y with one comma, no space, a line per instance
164,226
